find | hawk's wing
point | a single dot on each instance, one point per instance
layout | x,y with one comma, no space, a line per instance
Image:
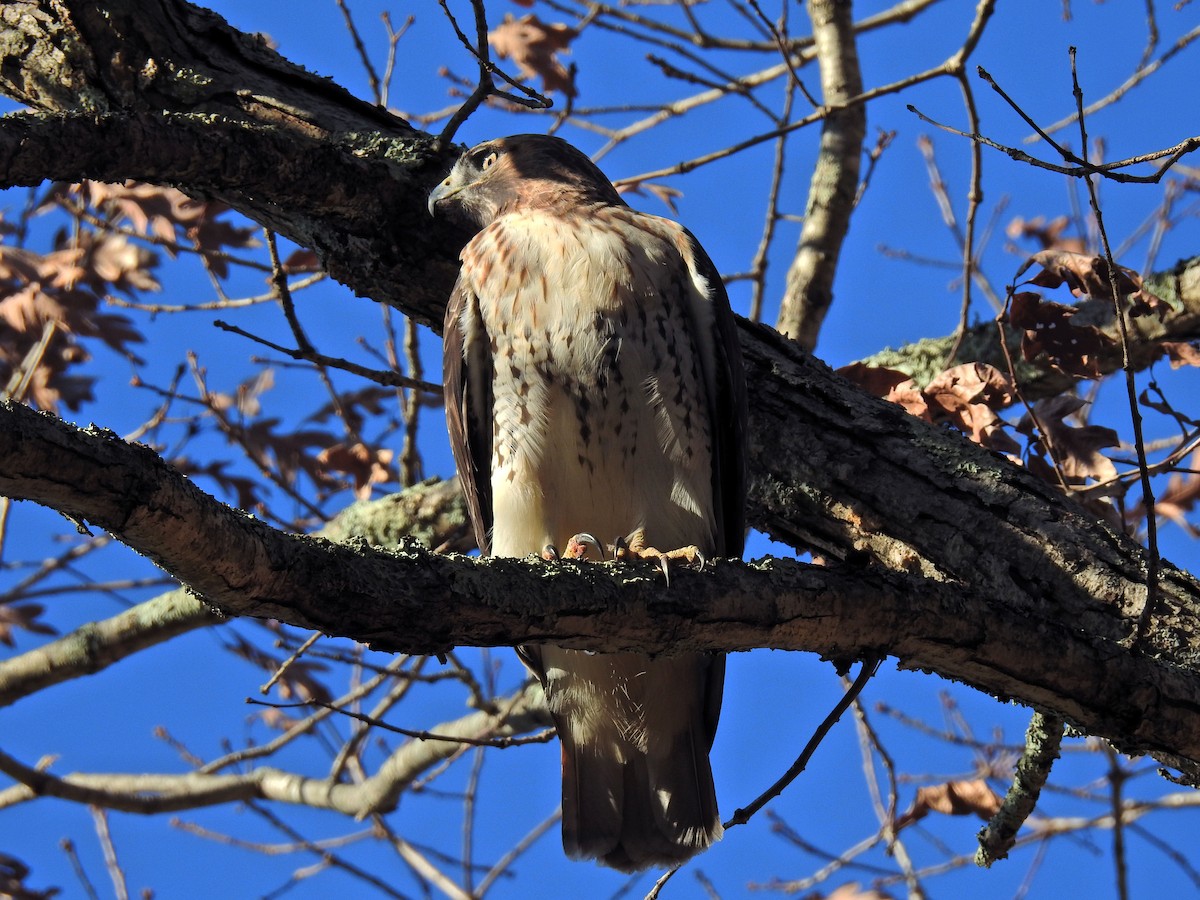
467,380
723,372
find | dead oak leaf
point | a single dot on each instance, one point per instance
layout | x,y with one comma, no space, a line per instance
1182,353
1177,501
365,465
24,616
113,260
1072,349
534,46
1048,234
1075,448
1083,273
968,396
149,209
953,798
888,384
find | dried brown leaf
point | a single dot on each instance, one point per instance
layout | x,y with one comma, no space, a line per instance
367,466
1084,274
875,380
1181,496
302,260
1048,234
534,46
889,384
1182,353
25,617
113,260
954,798
1072,349
1075,448
250,390
968,396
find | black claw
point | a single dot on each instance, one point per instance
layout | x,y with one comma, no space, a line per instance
662,561
589,540
550,552
700,557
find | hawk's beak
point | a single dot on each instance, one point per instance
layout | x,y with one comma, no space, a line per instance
443,191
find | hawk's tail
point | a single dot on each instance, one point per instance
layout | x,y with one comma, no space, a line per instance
651,809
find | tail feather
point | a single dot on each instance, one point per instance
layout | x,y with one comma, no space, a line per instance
640,797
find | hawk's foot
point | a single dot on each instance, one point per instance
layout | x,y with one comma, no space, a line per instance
633,546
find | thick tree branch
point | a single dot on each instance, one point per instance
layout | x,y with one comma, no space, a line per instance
994,578
97,645
168,93
1178,287
1031,630
834,180
357,199
432,512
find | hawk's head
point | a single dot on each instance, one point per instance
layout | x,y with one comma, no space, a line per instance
525,171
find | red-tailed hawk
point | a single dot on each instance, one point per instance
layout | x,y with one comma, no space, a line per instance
594,384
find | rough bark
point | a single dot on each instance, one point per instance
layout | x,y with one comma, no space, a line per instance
834,181
956,561
168,93
432,512
1050,625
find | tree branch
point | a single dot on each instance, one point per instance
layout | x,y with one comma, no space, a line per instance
432,512
150,794
1179,287
1058,646
834,180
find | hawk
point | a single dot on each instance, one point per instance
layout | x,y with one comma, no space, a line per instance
594,384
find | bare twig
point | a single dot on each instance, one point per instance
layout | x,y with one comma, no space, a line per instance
744,814
1171,155
389,379
486,87
115,872
1135,412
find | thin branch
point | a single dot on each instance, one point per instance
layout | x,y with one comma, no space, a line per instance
115,872
1140,73
1135,412
1043,741
388,379
745,813
1106,170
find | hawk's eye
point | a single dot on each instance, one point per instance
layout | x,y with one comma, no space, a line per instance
488,161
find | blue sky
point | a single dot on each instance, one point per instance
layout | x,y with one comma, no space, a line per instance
774,699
